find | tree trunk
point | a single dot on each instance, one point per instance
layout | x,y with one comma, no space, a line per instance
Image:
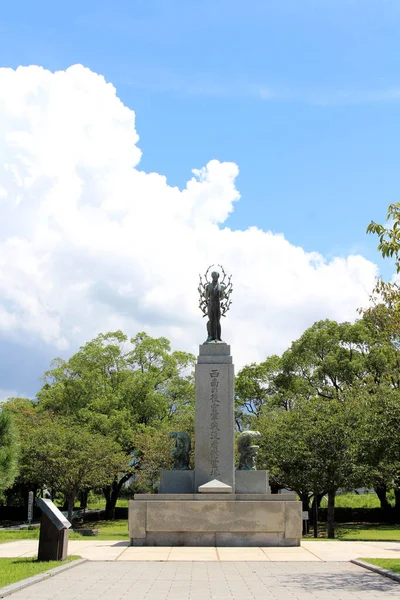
397,494
331,514
71,499
315,515
111,494
275,487
305,500
381,493
83,498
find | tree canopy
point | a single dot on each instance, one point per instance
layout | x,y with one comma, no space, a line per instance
9,447
389,236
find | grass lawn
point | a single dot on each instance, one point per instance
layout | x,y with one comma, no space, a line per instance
98,503
108,530
361,532
15,569
7,535
366,533
392,564
354,501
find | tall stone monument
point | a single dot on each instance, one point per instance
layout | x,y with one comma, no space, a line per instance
214,424
215,504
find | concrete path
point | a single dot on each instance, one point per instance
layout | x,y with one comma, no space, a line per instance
98,550
212,580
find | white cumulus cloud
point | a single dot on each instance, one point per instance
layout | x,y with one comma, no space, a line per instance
90,243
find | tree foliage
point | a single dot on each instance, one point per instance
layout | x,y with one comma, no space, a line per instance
378,435
69,458
115,386
9,447
255,387
389,236
311,448
332,382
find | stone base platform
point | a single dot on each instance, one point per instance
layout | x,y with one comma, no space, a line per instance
183,482
176,482
215,520
252,482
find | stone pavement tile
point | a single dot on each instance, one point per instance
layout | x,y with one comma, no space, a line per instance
162,556
345,551
331,551
282,557
242,554
19,548
304,596
381,550
145,553
255,580
334,551
193,553
98,551
293,554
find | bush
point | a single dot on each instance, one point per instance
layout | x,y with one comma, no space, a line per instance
362,515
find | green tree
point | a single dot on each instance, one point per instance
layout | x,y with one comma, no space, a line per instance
311,448
68,459
389,236
9,447
335,360
382,318
326,359
378,439
115,386
22,411
254,388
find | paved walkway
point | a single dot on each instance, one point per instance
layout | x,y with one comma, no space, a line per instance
212,580
95,550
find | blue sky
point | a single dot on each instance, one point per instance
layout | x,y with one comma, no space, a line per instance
303,95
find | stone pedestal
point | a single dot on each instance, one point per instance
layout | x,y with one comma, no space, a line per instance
215,520
252,482
214,424
176,482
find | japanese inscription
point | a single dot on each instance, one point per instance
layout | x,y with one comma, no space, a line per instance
214,424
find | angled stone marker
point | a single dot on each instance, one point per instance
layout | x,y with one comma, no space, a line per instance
215,487
53,537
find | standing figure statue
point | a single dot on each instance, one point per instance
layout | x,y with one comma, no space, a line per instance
214,302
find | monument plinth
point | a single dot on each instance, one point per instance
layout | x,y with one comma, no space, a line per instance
215,505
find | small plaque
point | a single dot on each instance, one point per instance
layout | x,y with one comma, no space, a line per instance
53,513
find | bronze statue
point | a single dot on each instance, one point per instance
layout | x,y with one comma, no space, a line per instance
248,451
214,302
181,450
